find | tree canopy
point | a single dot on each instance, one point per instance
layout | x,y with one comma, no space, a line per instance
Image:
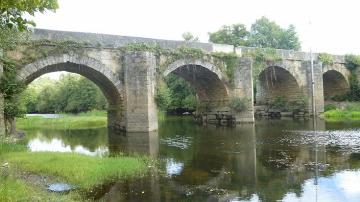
235,35
189,37
264,34
71,93
267,34
12,12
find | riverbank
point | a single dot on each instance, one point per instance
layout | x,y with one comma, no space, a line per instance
342,115
18,167
349,111
86,120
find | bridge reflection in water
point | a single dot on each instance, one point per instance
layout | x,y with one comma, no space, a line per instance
268,161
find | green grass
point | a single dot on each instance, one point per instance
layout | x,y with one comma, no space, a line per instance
80,170
341,115
93,119
10,147
12,189
351,112
86,172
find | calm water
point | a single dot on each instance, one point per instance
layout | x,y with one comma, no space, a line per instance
273,160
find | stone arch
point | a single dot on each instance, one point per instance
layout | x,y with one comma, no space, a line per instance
334,83
88,67
207,80
275,81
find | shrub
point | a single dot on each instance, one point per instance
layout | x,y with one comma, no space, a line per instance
352,62
297,105
329,107
163,97
326,59
238,104
279,102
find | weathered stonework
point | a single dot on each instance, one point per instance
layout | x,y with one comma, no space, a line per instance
318,91
140,112
207,79
243,89
2,121
128,78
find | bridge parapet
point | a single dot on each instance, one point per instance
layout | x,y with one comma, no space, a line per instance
133,75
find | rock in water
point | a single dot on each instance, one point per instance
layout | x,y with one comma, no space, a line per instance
60,187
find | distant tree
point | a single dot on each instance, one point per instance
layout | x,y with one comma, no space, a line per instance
163,97
235,35
263,34
290,39
71,93
189,37
267,34
182,94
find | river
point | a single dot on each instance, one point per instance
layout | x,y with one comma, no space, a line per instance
271,160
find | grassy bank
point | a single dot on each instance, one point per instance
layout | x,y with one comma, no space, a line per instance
12,189
85,172
93,119
351,111
341,115
81,170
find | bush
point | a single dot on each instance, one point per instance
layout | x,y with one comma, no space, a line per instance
297,105
163,97
326,59
329,107
238,104
353,107
352,62
279,102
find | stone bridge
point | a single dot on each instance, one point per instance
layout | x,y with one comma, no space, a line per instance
128,73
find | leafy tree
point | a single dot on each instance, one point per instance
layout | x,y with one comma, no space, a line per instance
180,90
235,35
267,34
290,40
71,93
12,24
190,102
12,12
163,97
189,37
263,34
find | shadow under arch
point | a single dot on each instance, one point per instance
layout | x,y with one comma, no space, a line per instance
207,79
92,69
275,81
334,83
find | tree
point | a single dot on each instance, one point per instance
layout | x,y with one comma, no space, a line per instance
189,37
12,24
263,34
290,40
235,35
267,34
71,93
182,94
12,12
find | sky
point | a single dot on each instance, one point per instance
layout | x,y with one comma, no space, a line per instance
323,25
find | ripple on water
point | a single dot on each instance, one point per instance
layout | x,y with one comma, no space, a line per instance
177,141
346,140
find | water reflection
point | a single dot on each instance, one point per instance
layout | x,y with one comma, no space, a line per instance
269,161
88,142
57,145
